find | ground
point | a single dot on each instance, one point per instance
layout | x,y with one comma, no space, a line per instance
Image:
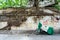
29,35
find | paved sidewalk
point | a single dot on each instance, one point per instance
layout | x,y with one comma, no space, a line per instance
27,36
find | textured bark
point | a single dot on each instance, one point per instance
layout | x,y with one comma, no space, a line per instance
17,15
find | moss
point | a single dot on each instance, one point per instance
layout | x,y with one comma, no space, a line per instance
57,6
12,3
